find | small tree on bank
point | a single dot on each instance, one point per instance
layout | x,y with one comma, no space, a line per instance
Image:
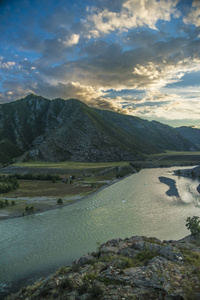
193,224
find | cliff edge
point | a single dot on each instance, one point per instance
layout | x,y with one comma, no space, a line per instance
133,268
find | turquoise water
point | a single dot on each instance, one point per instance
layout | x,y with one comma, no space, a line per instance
136,205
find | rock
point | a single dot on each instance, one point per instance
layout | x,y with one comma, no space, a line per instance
88,258
198,188
133,268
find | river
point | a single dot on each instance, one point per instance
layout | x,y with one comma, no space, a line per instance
32,246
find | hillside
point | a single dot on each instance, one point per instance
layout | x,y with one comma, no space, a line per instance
133,268
190,133
58,130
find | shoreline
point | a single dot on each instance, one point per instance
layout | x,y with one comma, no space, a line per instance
2,218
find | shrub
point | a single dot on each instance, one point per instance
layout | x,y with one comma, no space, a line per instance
59,201
2,204
29,209
145,256
6,202
8,183
193,224
96,291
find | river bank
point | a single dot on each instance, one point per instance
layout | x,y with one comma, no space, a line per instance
123,209
77,191
6,214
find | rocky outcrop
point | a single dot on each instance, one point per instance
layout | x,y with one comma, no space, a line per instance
133,268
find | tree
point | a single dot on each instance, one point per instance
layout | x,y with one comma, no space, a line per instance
6,202
193,224
59,201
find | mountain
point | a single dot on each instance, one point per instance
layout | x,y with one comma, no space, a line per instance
190,133
58,130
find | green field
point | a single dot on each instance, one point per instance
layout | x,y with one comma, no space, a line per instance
70,164
43,194
177,153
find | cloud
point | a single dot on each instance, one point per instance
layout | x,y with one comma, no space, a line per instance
193,16
134,13
7,65
108,66
157,96
98,52
72,40
60,20
87,94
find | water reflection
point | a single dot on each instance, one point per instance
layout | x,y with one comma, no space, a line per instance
137,205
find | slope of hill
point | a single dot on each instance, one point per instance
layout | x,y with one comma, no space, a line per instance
133,268
154,134
57,130
190,133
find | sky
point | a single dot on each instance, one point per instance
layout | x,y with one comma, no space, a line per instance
137,57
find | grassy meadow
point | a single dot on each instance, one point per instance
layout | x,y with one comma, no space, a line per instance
43,194
88,178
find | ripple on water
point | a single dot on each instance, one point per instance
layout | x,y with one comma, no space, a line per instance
137,205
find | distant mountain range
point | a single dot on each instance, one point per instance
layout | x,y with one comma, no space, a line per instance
190,133
58,130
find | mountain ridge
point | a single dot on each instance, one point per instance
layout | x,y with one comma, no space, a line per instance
190,133
58,130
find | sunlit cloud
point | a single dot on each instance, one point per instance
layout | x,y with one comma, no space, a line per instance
72,40
7,65
131,56
134,13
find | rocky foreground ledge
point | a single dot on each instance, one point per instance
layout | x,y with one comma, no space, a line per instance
133,268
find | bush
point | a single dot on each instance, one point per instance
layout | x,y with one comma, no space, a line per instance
2,204
59,201
8,183
31,176
6,202
193,224
29,209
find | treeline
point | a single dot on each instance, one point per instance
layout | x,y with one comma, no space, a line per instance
30,176
8,183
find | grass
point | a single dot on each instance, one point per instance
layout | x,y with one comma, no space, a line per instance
34,188
192,258
43,195
70,164
177,153
171,158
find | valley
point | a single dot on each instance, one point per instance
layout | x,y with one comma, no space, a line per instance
75,180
